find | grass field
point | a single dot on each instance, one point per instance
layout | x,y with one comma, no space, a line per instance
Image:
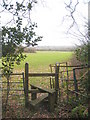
40,60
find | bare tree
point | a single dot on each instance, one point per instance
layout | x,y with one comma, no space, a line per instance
82,36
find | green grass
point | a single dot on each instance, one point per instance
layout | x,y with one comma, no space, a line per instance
40,61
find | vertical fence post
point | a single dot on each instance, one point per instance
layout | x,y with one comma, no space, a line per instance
75,83
23,82
26,84
67,82
51,77
56,81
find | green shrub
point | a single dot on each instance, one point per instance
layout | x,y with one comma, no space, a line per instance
79,111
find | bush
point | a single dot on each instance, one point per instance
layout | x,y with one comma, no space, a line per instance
82,53
79,111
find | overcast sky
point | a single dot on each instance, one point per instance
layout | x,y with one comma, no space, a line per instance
49,16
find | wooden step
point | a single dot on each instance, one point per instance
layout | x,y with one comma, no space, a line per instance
37,101
47,90
34,91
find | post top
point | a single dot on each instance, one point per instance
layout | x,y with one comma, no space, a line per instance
26,63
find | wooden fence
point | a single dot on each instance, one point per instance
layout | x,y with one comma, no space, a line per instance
57,75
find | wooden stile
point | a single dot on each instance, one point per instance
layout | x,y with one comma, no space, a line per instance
52,93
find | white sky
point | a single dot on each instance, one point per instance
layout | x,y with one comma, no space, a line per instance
49,15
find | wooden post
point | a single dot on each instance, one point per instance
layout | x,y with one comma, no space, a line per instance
51,77
51,102
26,84
75,83
56,82
59,79
23,82
33,95
67,82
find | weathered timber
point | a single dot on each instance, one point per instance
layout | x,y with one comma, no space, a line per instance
46,90
34,91
40,74
76,66
51,97
36,102
51,100
51,82
13,74
50,77
34,94
13,82
67,82
26,84
23,82
56,82
13,89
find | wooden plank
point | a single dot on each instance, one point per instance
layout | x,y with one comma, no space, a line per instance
13,82
35,102
66,70
78,66
41,74
34,91
13,89
13,74
44,89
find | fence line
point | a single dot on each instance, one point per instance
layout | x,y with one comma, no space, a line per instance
75,67
83,66
57,78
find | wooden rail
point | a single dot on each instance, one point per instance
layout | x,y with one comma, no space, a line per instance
40,74
14,74
84,66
